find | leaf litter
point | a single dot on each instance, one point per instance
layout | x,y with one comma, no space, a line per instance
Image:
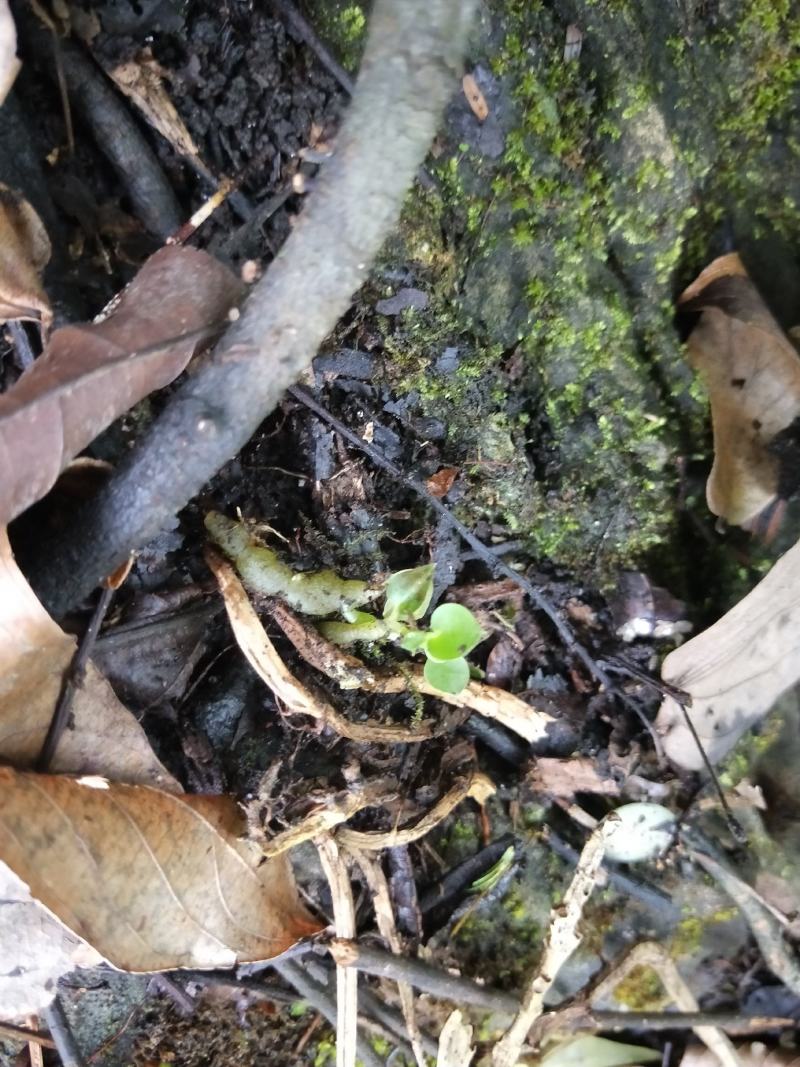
740,480
152,880
752,373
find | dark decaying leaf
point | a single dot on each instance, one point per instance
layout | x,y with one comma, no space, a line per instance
151,880
752,373
91,374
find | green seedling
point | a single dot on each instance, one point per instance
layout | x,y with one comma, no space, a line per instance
453,633
489,880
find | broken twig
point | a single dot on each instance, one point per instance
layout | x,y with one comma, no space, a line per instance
561,941
344,919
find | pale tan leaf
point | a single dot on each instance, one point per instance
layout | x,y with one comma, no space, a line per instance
475,98
9,64
566,777
735,670
24,253
455,1042
90,374
141,80
104,738
34,653
752,373
37,950
151,880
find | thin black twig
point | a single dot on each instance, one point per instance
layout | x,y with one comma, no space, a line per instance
73,680
496,565
735,827
62,1035
618,665
308,36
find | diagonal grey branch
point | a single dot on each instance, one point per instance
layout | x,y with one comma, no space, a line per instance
410,67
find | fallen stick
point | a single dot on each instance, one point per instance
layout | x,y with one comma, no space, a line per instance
579,1017
411,65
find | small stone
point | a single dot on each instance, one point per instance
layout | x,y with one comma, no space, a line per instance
401,301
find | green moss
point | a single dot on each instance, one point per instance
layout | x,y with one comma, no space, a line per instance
325,1053
641,990
343,26
688,937
612,184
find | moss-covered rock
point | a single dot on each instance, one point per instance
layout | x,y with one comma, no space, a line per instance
558,234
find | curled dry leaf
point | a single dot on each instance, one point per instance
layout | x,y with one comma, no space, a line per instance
735,670
34,653
9,64
91,374
440,483
151,880
752,373
24,253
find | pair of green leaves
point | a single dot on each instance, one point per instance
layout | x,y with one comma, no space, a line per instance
453,633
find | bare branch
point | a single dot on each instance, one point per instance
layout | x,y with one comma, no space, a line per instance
411,65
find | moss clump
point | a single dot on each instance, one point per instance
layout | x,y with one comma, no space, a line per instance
553,265
343,26
641,990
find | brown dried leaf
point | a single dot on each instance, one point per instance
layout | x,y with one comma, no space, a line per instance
104,738
441,483
141,80
475,98
24,253
735,670
34,653
9,64
151,880
752,373
90,374
566,777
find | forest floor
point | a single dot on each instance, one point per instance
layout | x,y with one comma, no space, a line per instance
516,349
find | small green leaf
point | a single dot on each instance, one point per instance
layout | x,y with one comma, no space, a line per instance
454,632
490,879
408,593
450,676
413,641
